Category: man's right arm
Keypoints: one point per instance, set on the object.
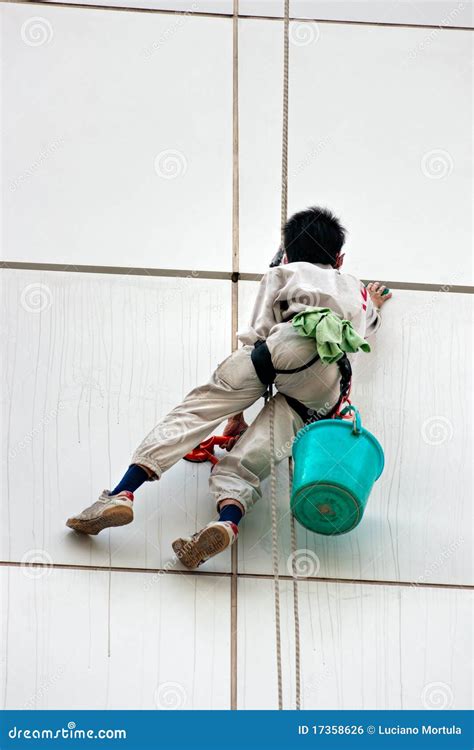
(376, 298)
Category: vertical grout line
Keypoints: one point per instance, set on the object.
(235, 147)
(234, 321)
(233, 627)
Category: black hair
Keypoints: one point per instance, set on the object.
(314, 235)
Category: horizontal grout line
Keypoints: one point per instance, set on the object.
(219, 275)
(241, 16)
(360, 581)
(418, 286)
(117, 270)
(108, 568)
(223, 574)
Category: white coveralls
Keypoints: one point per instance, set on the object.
(284, 291)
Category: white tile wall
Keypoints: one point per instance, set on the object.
(208, 6)
(371, 136)
(127, 164)
(444, 12)
(414, 391)
(433, 12)
(262, 7)
(94, 640)
(380, 147)
(224, 7)
(91, 363)
(362, 647)
(260, 117)
(389, 121)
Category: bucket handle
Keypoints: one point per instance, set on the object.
(357, 421)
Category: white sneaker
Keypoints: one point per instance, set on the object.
(108, 510)
(214, 538)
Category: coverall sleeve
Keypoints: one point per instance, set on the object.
(373, 318)
(263, 316)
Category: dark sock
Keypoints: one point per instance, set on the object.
(131, 480)
(231, 513)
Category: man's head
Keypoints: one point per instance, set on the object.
(315, 236)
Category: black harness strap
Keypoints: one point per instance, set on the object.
(263, 364)
(267, 373)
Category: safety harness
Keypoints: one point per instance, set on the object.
(266, 372)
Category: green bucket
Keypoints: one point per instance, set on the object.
(336, 463)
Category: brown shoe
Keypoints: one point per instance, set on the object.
(212, 539)
(108, 510)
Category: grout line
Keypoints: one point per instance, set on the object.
(229, 16)
(245, 576)
(113, 569)
(234, 276)
(234, 321)
(418, 286)
(233, 625)
(114, 270)
(360, 581)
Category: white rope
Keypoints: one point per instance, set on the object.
(276, 581)
(284, 144)
(284, 212)
(296, 613)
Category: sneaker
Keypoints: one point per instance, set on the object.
(212, 539)
(108, 510)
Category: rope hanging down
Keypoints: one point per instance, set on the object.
(296, 614)
(276, 581)
(284, 144)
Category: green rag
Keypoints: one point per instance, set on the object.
(334, 337)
